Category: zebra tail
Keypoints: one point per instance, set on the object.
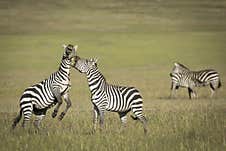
(17, 119)
(219, 84)
(134, 117)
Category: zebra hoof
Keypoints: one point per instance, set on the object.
(61, 116)
(54, 114)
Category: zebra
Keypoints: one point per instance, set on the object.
(182, 76)
(37, 99)
(107, 97)
(186, 81)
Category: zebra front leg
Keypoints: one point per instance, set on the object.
(174, 89)
(95, 118)
(123, 118)
(191, 93)
(68, 101)
(57, 94)
(194, 94)
(101, 113)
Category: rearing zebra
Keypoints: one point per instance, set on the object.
(40, 97)
(182, 76)
(109, 97)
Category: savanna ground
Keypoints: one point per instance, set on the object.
(136, 43)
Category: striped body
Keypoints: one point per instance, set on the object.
(185, 80)
(113, 98)
(206, 76)
(107, 97)
(40, 97)
(183, 77)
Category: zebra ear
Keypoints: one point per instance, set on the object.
(64, 46)
(95, 60)
(176, 64)
(76, 47)
(91, 59)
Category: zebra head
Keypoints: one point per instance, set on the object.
(69, 51)
(179, 68)
(85, 65)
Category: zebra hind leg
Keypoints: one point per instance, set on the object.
(194, 95)
(38, 121)
(144, 122)
(101, 113)
(40, 114)
(27, 115)
(190, 93)
(95, 118)
(17, 119)
(213, 87)
(123, 118)
(173, 92)
(137, 110)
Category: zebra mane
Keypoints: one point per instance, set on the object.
(97, 70)
(181, 65)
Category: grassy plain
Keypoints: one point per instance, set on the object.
(136, 43)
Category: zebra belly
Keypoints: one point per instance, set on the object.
(120, 99)
(117, 106)
(38, 111)
(120, 110)
(106, 105)
(41, 104)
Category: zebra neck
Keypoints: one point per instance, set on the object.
(65, 67)
(185, 72)
(96, 81)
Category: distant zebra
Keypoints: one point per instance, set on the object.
(182, 76)
(40, 97)
(109, 97)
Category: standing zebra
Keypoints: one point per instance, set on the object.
(40, 97)
(109, 97)
(182, 76)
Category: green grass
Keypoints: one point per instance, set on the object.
(136, 43)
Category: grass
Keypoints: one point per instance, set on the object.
(136, 43)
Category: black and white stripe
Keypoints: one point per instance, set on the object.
(109, 97)
(181, 76)
(40, 97)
